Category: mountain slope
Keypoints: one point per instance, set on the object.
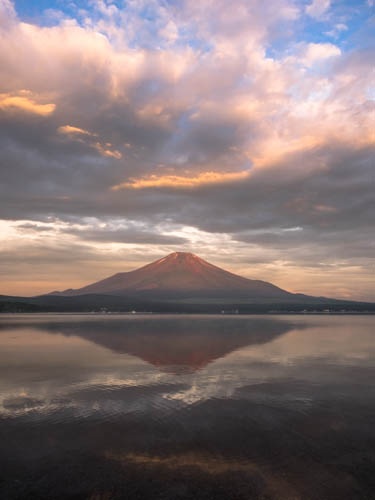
(183, 274)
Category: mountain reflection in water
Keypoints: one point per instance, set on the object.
(113, 407)
(176, 346)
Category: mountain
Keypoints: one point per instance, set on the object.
(180, 283)
(182, 275)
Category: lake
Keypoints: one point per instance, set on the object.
(105, 407)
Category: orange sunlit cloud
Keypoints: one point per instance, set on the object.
(79, 134)
(181, 182)
(25, 102)
(105, 150)
(70, 130)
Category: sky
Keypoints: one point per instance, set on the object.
(240, 131)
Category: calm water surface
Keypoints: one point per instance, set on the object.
(187, 407)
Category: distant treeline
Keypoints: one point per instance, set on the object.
(109, 304)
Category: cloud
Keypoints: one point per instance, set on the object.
(126, 232)
(24, 101)
(318, 8)
(169, 31)
(320, 51)
(81, 135)
(337, 30)
(182, 182)
(104, 150)
(73, 131)
(7, 13)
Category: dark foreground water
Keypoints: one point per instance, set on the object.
(182, 407)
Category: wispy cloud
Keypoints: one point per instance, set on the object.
(74, 131)
(81, 135)
(181, 182)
